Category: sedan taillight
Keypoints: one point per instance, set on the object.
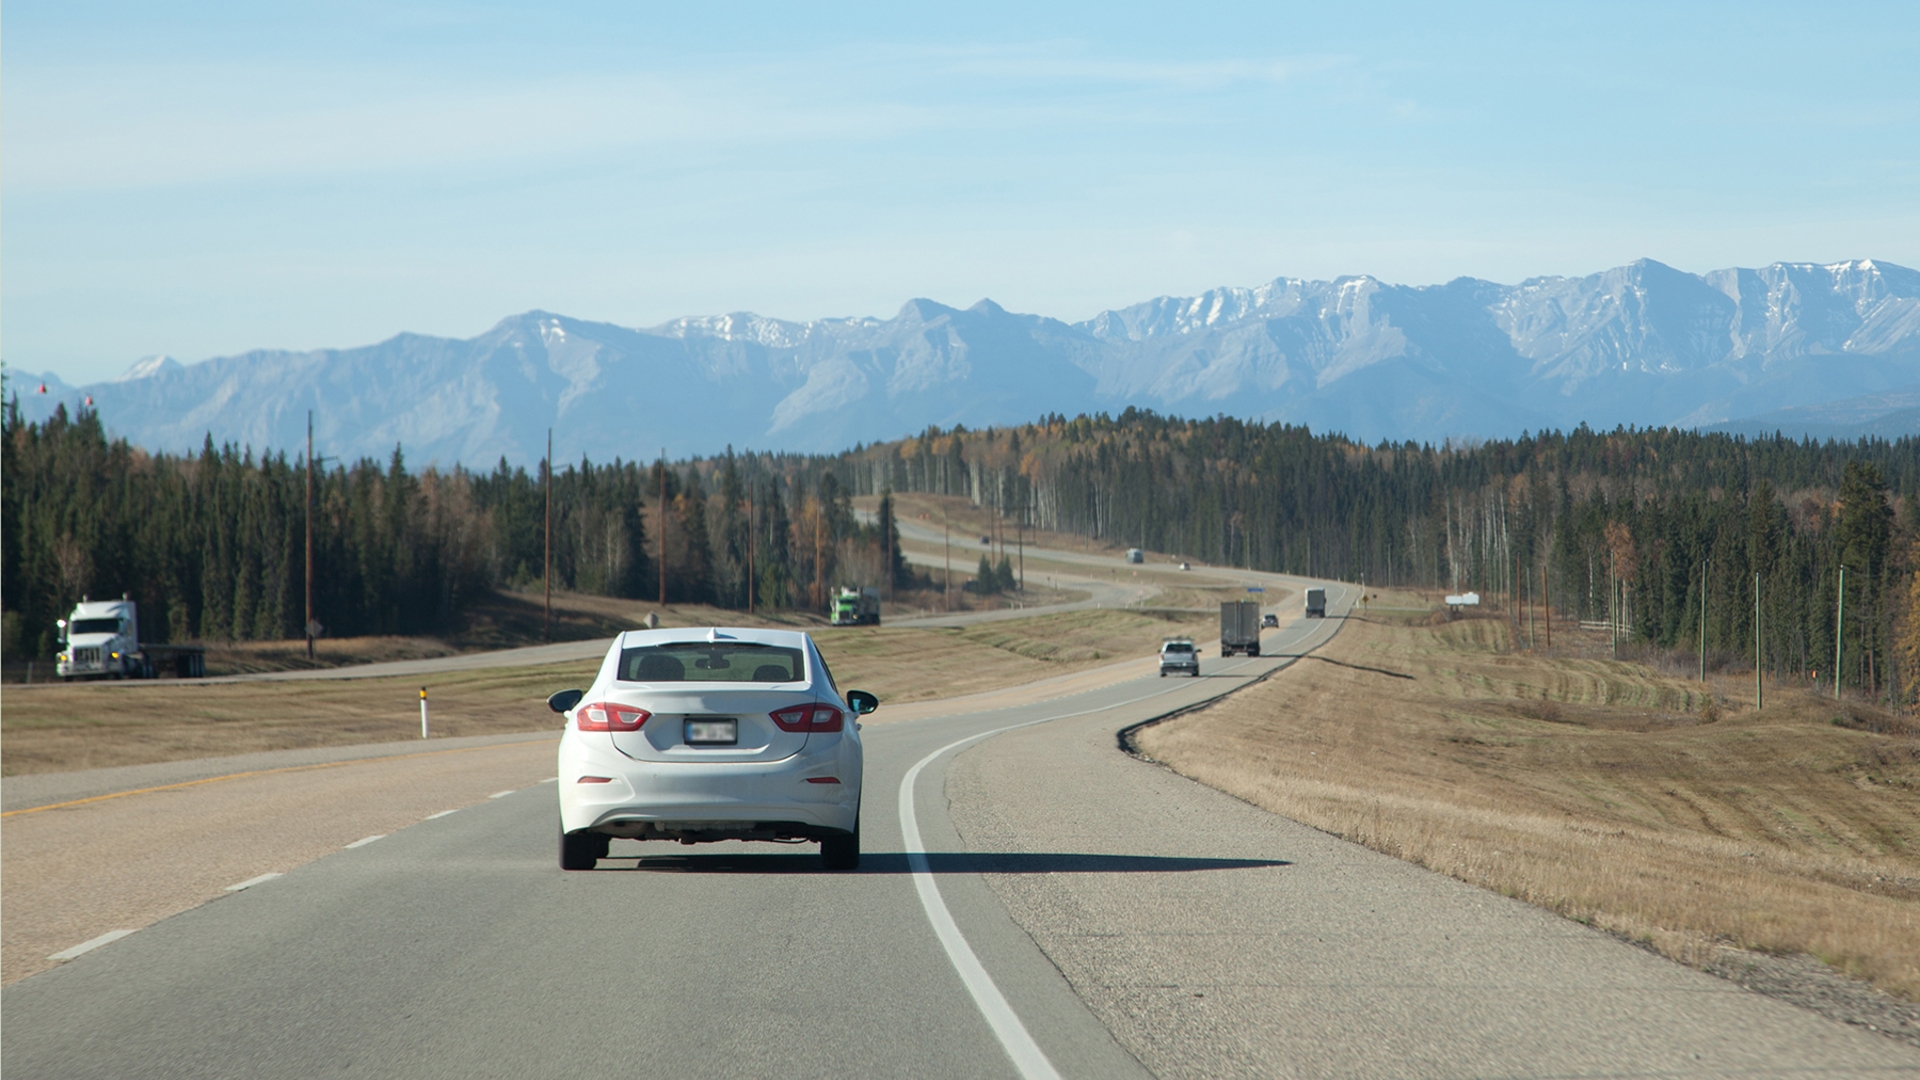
(808, 718)
(606, 716)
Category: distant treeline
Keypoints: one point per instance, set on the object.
(213, 545)
(1637, 527)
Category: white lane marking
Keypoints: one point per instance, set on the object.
(551, 780)
(1019, 1045)
(502, 794)
(251, 882)
(107, 938)
(442, 813)
(1013, 1035)
(365, 840)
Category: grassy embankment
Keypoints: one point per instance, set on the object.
(94, 725)
(1602, 790)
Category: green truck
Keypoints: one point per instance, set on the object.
(857, 607)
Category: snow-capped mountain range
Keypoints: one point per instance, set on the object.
(1642, 344)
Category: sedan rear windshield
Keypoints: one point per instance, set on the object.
(710, 662)
(1177, 646)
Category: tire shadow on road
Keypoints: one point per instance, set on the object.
(939, 862)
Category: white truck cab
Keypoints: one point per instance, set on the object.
(101, 637)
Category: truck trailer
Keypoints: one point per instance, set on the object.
(857, 607)
(1239, 627)
(1316, 603)
(100, 639)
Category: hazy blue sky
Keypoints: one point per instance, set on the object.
(197, 180)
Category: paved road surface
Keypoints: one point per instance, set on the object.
(1032, 903)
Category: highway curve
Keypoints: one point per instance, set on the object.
(1033, 903)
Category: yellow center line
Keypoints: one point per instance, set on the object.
(254, 772)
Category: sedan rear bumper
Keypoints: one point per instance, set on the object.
(709, 801)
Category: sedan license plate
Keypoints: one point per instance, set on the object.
(708, 732)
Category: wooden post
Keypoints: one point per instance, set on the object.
(1020, 543)
(752, 542)
(308, 627)
(1546, 605)
(1759, 691)
(663, 527)
(547, 575)
(1839, 627)
(1706, 567)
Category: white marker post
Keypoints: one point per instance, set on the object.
(423, 712)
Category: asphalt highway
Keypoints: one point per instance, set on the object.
(1032, 902)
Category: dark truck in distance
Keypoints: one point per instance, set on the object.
(1239, 627)
(1316, 603)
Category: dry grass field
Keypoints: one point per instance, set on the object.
(1601, 790)
(56, 728)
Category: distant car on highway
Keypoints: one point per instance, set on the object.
(1179, 657)
(1269, 619)
(697, 736)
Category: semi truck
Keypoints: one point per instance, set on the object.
(857, 607)
(100, 639)
(1316, 603)
(1239, 627)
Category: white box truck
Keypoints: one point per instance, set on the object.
(100, 639)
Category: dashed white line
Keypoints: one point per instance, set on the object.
(251, 882)
(365, 840)
(107, 938)
(551, 780)
(442, 813)
(502, 794)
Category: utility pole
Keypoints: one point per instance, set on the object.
(1706, 568)
(663, 528)
(1020, 544)
(1839, 626)
(751, 544)
(946, 584)
(819, 571)
(1759, 692)
(1546, 606)
(548, 575)
(1613, 602)
(309, 625)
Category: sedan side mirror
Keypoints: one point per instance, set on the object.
(565, 699)
(861, 702)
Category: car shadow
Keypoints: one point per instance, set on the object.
(807, 861)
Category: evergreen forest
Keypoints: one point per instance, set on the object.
(1663, 535)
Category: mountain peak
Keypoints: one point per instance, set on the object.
(148, 366)
(922, 309)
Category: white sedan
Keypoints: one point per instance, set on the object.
(704, 735)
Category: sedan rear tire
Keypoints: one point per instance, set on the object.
(580, 851)
(841, 852)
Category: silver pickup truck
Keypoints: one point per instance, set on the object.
(1178, 656)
